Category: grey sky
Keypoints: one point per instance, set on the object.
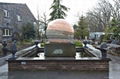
(77, 7)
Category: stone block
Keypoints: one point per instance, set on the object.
(60, 50)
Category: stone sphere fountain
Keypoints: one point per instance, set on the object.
(59, 53)
(60, 39)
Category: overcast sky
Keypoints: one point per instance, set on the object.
(77, 7)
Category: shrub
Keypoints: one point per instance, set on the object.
(78, 44)
(42, 44)
(28, 31)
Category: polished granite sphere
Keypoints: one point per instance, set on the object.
(59, 29)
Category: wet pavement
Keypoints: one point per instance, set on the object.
(114, 71)
(58, 75)
(4, 71)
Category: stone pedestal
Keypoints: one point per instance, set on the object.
(60, 50)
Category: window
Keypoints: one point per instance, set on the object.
(6, 32)
(6, 13)
(19, 18)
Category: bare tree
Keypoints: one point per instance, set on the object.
(101, 14)
(116, 9)
(44, 23)
(106, 17)
(41, 25)
(38, 25)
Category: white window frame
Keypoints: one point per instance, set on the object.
(6, 32)
(6, 13)
(19, 18)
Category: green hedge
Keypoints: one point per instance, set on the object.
(78, 43)
(42, 44)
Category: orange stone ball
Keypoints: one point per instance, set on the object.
(60, 25)
(59, 29)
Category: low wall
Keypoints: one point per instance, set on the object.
(59, 64)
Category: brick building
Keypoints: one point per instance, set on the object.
(12, 17)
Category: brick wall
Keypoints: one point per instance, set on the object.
(79, 65)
